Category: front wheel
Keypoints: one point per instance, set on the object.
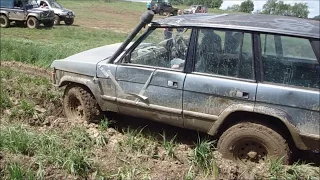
(68, 21)
(249, 142)
(56, 20)
(4, 21)
(33, 23)
(80, 104)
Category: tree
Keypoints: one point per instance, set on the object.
(269, 7)
(175, 2)
(316, 17)
(215, 4)
(246, 6)
(234, 8)
(280, 8)
(300, 10)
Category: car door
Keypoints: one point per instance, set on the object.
(150, 79)
(222, 79)
(290, 84)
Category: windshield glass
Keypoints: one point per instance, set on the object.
(56, 5)
(163, 47)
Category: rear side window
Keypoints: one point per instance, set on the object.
(225, 53)
(290, 61)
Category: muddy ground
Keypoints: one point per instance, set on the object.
(111, 154)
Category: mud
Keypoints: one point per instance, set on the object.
(25, 68)
(113, 160)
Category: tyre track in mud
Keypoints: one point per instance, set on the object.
(26, 68)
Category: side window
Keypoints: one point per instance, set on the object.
(296, 65)
(163, 47)
(227, 53)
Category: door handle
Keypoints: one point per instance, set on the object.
(172, 84)
(241, 94)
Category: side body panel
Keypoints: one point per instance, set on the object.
(301, 105)
(206, 97)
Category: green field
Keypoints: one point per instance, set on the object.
(97, 23)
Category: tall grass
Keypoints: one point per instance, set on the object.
(43, 46)
(70, 152)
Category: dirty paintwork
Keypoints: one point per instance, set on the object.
(301, 106)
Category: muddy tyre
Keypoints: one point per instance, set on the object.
(249, 142)
(80, 104)
(33, 23)
(69, 22)
(56, 20)
(4, 21)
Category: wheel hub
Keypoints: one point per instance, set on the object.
(75, 107)
(251, 151)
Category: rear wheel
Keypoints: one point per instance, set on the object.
(33, 23)
(79, 103)
(249, 142)
(68, 21)
(4, 21)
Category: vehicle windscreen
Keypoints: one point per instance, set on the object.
(56, 5)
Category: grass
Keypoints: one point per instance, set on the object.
(70, 153)
(202, 156)
(15, 171)
(169, 145)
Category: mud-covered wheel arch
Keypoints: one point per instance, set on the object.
(252, 142)
(79, 103)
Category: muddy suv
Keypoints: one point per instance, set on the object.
(253, 85)
(163, 8)
(22, 11)
(195, 9)
(61, 13)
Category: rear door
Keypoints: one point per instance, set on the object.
(222, 79)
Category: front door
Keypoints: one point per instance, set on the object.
(222, 79)
(151, 77)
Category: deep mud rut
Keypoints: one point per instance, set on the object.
(111, 159)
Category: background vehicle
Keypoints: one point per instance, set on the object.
(195, 9)
(61, 13)
(247, 83)
(161, 7)
(22, 11)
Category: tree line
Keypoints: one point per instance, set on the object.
(276, 7)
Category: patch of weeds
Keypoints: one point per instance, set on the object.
(105, 124)
(17, 139)
(136, 142)
(77, 162)
(202, 156)
(101, 140)
(276, 168)
(5, 101)
(16, 172)
(190, 174)
(79, 138)
(27, 107)
(132, 172)
(169, 145)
